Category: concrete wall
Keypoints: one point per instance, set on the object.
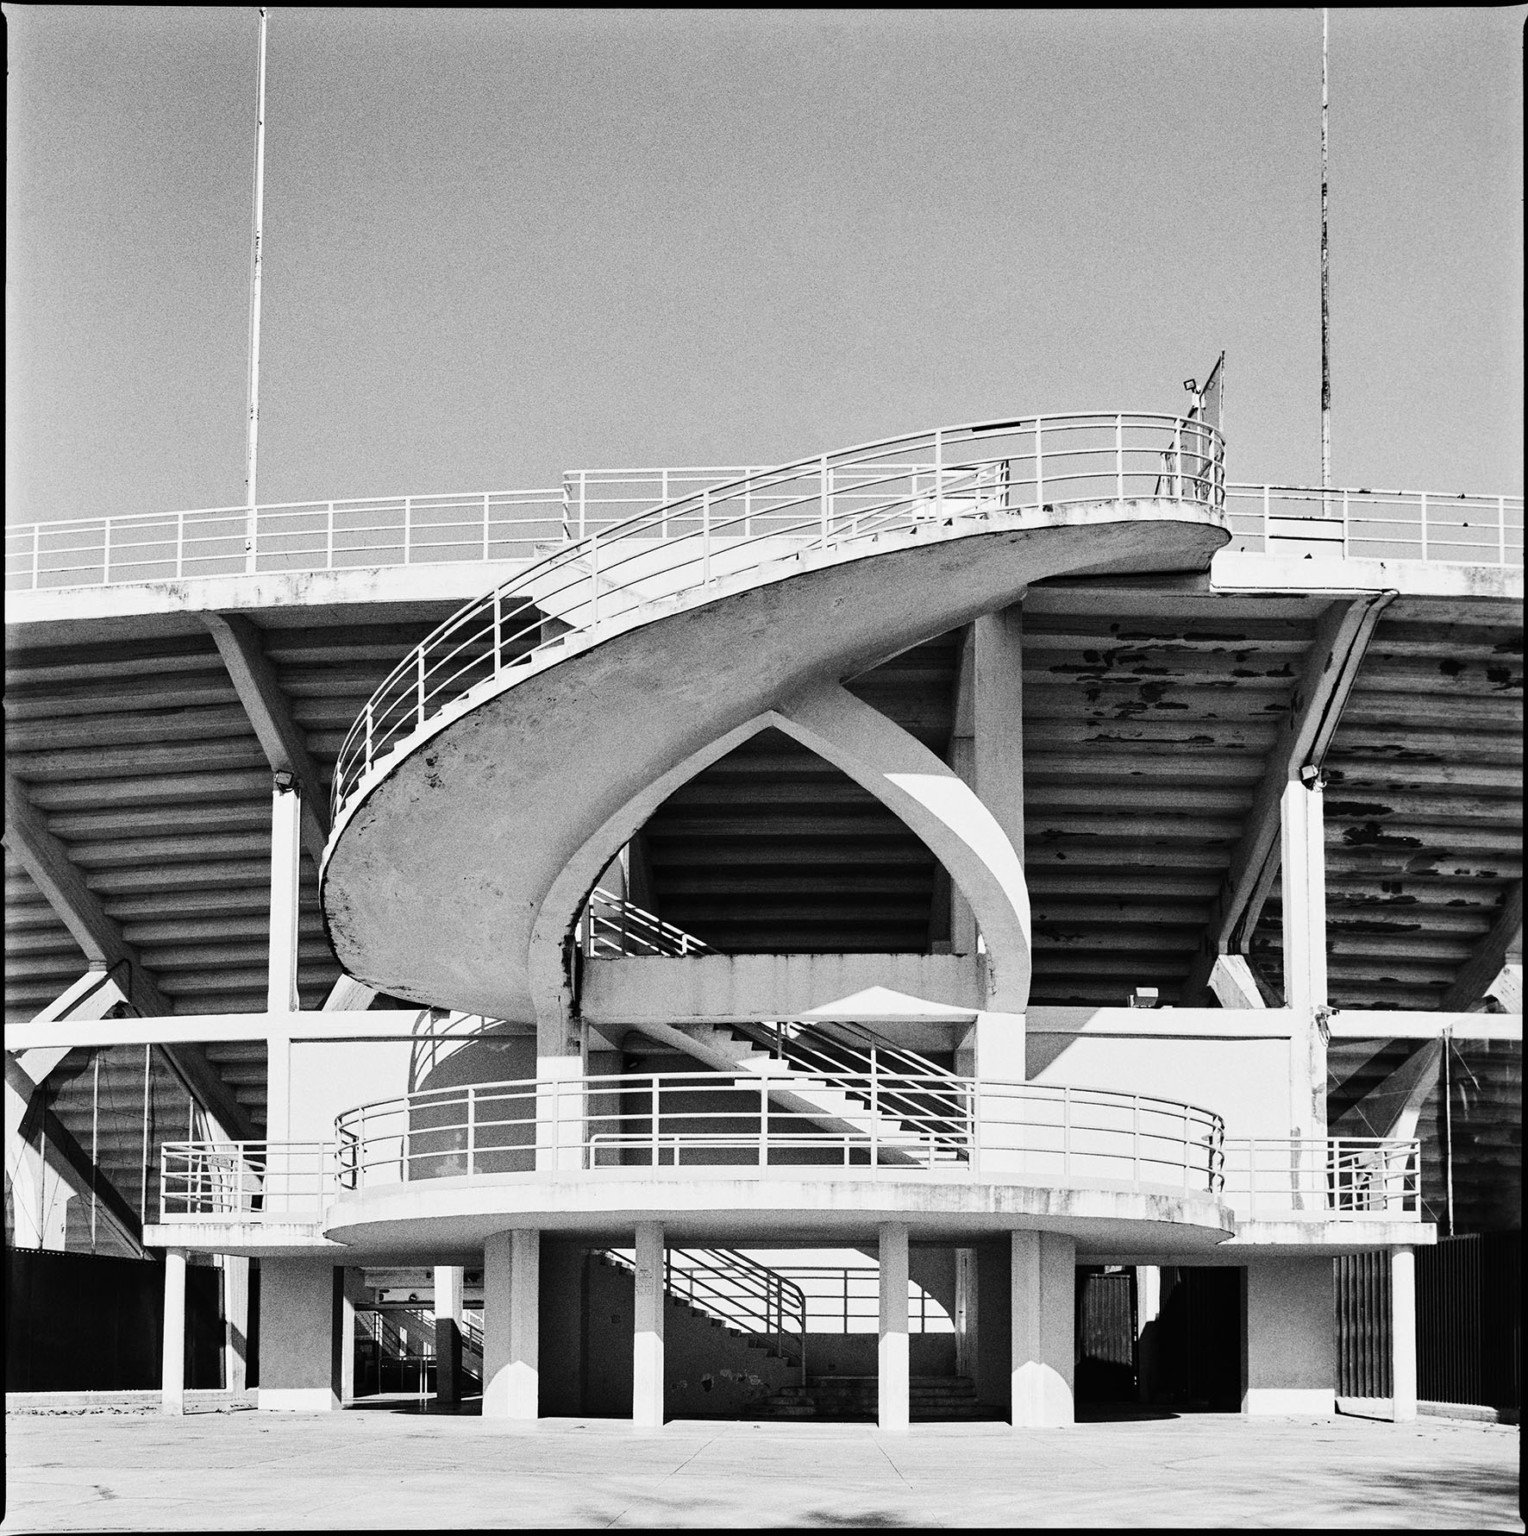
(562, 1327)
(1291, 1351)
(300, 1333)
(1246, 1082)
(329, 1076)
(994, 1335)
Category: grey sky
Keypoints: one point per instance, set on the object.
(505, 243)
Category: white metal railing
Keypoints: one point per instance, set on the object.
(259, 1181)
(674, 1123)
(765, 521)
(1267, 1178)
(843, 1298)
(612, 926)
(519, 525)
(1377, 525)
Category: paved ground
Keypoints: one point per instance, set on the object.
(377, 1470)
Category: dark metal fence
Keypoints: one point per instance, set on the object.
(1469, 1321)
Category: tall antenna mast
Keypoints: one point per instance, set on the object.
(1326, 366)
(253, 438)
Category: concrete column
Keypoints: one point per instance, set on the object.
(1403, 1334)
(511, 1325)
(1042, 1281)
(450, 1283)
(1303, 876)
(173, 1341)
(967, 1313)
(1148, 1308)
(350, 1284)
(286, 871)
(560, 1127)
(301, 1351)
(647, 1331)
(894, 1383)
(235, 1321)
(1291, 1338)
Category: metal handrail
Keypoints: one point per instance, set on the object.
(1367, 523)
(734, 1289)
(519, 524)
(855, 497)
(756, 1123)
(1346, 1176)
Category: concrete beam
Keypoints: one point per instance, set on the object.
(1393, 1106)
(1326, 679)
(1485, 964)
(860, 988)
(254, 679)
(47, 861)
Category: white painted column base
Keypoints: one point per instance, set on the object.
(297, 1399)
(511, 1326)
(1042, 1280)
(647, 1331)
(894, 1383)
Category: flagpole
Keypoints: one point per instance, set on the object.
(253, 418)
(1326, 368)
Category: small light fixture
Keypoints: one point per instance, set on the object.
(1144, 997)
(1310, 776)
(285, 781)
(1192, 386)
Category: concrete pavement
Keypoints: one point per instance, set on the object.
(379, 1470)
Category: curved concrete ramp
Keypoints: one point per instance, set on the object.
(438, 874)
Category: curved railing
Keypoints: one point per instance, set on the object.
(766, 519)
(670, 1124)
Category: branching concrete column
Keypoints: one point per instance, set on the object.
(286, 877)
(172, 1387)
(450, 1282)
(1403, 1334)
(894, 1385)
(647, 1330)
(1303, 875)
(511, 1325)
(929, 796)
(1042, 1280)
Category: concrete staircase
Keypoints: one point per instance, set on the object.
(855, 1399)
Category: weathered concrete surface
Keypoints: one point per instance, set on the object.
(436, 878)
(377, 1470)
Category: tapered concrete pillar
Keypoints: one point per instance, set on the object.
(894, 1383)
(173, 1340)
(1291, 1338)
(1403, 1334)
(1042, 1281)
(511, 1325)
(286, 871)
(450, 1281)
(235, 1322)
(647, 1332)
(301, 1345)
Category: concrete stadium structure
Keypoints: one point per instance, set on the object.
(799, 945)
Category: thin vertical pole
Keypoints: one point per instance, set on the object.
(252, 440)
(1326, 369)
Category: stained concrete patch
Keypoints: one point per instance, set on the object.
(381, 1470)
